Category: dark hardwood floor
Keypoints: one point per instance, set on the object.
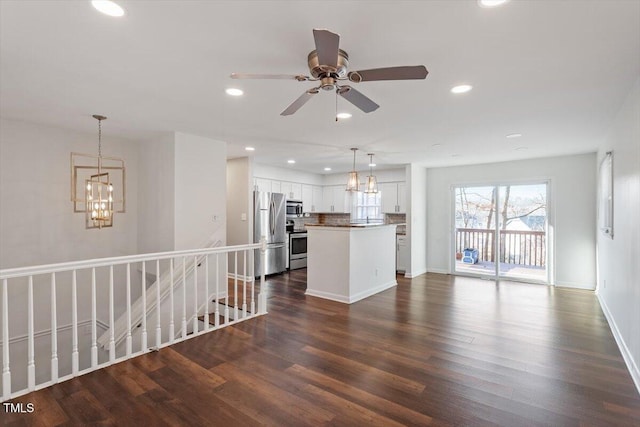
(436, 350)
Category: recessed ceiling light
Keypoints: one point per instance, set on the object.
(327, 169)
(234, 92)
(437, 145)
(521, 148)
(514, 135)
(491, 3)
(372, 165)
(250, 148)
(108, 7)
(343, 115)
(461, 89)
(291, 161)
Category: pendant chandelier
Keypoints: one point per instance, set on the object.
(93, 190)
(372, 182)
(353, 183)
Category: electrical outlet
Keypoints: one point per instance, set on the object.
(376, 272)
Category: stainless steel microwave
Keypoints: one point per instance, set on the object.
(294, 208)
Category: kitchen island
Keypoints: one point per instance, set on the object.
(349, 262)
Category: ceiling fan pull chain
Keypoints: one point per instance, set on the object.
(336, 105)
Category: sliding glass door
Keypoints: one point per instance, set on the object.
(501, 231)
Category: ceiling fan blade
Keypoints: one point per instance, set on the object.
(299, 78)
(298, 103)
(390, 73)
(327, 47)
(357, 99)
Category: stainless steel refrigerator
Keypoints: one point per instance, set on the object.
(269, 217)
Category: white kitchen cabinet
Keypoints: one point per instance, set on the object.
(334, 199)
(317, 198)
(276, 187)
(296, 190)
(307, 198)
(285, 187)
(261, 184)
(402, 253)
(393, 197)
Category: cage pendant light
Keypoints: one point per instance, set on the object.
(99, 191)
(372, 182)
(353, 183)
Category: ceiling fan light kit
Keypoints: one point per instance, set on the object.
(328, 65)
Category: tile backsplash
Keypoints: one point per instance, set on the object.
(345, 218)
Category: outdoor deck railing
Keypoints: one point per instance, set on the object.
(521, 247)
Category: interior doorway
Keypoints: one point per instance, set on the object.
(501, 231)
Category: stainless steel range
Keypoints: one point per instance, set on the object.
(297, 249)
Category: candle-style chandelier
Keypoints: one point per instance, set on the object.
(93, 190)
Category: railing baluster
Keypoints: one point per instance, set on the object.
(235, 286)
(184, 298)
(253, 282)
(6, 368)
(94, 331)
(75, 360)
(226, 288)
(128, 340)
(54, 331)
(143, 341)
(158, 326)
(206, 292)
(244, 284)
(172, 328)
(112, 341)
(31, 364)
(195, 294)
(216, 320)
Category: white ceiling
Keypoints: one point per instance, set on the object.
(555, 71)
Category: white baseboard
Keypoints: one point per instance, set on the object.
(412, 274)
(626, 354)
(354, 298)
(576, 285)
(437, 270)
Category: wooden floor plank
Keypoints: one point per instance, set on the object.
(435, 350)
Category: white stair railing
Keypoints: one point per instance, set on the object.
(165, 284)
(92, 294)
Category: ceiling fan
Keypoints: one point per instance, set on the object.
(328, 65)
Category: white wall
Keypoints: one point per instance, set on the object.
(383, 175)
(417, 220)
(572, 214)
(239, 201)
(37, 222)
(619, 259)
(200, 191)
(156, 193)
(283, 174)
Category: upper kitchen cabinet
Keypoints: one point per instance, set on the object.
(312, 198)
(393, 197)
(285, 187)
(296, 191)
(334, 199)
(261, 184)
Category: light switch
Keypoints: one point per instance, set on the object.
(243, 217)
